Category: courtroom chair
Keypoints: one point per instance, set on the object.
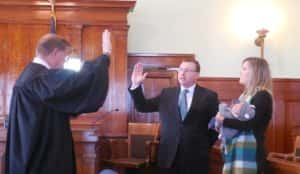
(295, 156)
(141, 146)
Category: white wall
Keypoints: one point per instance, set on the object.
(203, 27)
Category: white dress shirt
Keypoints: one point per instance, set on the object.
(189, 95)
(40, 61)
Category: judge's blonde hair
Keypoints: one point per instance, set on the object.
(260, 77)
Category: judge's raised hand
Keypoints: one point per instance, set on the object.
(106, 42)
(138, 75)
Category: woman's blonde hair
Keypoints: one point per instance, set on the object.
(261, 78)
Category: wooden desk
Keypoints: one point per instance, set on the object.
(88, 135)
(281, 166)
(86, 150)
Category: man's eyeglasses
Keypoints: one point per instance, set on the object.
(182, 70)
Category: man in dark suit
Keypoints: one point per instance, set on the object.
(185, 111)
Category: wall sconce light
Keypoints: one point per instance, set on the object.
(248, 16)
(260, 40)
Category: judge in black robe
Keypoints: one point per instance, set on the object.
(39, 138)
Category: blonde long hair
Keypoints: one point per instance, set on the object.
(260, 79)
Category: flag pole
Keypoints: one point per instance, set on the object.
(52, 17)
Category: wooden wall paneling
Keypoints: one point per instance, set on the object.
(292, 124)
(158, 60)
(20, 41)
(287, 99)
(108, 12)
(279, 118)
(226, 88)
(91, 41)
(3, 69)
(276, 134)
(118, 85)
(23, 22)
(293, 110)
(72, 33)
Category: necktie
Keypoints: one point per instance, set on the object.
(183, 103)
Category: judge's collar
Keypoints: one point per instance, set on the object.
(40, 61)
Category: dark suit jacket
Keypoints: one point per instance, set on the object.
(192, 135)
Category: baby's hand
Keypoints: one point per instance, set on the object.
(236, 108)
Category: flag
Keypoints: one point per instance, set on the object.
(52, 17)
(52, 23)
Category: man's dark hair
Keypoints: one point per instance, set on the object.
(49, 42)
(197, 65)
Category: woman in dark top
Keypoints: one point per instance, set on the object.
(256, 78)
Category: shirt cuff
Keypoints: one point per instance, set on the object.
(133, 87)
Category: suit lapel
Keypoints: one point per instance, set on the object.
(175, 99)
(196, 96)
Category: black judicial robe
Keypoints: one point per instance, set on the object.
(39, 138)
